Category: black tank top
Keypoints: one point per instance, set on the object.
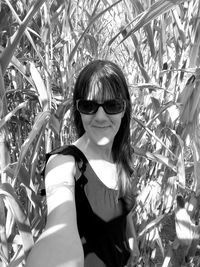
(101, 215)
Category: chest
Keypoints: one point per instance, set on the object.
(97, 195)
(106, 172)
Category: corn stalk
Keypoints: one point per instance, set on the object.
(157, 46)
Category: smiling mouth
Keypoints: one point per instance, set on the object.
(100, 127)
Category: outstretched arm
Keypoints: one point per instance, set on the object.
(59, 245)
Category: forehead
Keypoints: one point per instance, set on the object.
(102, 91)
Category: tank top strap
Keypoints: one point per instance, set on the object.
(71, 150)
(80, 160)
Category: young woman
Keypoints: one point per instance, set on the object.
(89, 185)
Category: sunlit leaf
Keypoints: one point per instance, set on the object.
(9, 194)
(153, 223)
(87, 28)
(162, 159)
(156, 9)
(147, 28)
(10, 114)
(41, 120)
(4, 246)
(196, 155)
(17, 258)
(35, 155)
(8, 52)
(154, 136)
(40, 86)
(179, 26)
(194, 53)
(25, 180)
(20, 67)
(181, 170)
(2, 93)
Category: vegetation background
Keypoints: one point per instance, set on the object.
(43, 46)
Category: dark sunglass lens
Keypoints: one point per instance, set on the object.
(87, 106)
(114, 106)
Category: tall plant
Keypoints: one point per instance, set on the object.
(156, 43)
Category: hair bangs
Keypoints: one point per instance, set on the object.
(103, 88)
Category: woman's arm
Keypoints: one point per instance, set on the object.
(59, 245)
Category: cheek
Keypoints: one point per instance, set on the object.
(117, 120)
(119, 124)
(86, 120)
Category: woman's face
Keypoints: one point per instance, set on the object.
(101, 127)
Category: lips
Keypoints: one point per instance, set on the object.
(101, 127)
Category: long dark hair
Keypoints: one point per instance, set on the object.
(110, 80)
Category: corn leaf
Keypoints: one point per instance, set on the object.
(19, 66)
(161, 159)
(10, 114)
(4, 246)
(153, 223)
(166, 262)
(8, 52)
(196, 155)
(87, 28)
(17, 258)
(34, 158)
(3, 109)
(24, 178)
(153, 135)
(27, 30)
(155, 10)
(194, 53)
(147, 28)
(21, 219)
(41, 120)
(40, 86)
(181, 170)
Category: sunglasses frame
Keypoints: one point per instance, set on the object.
(123, 102)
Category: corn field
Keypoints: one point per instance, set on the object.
(43, 46)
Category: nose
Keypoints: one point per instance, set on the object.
(100, 114)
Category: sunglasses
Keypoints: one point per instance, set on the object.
(90, 107)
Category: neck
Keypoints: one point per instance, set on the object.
(93, 150)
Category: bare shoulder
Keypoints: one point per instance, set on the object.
(60, 168)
